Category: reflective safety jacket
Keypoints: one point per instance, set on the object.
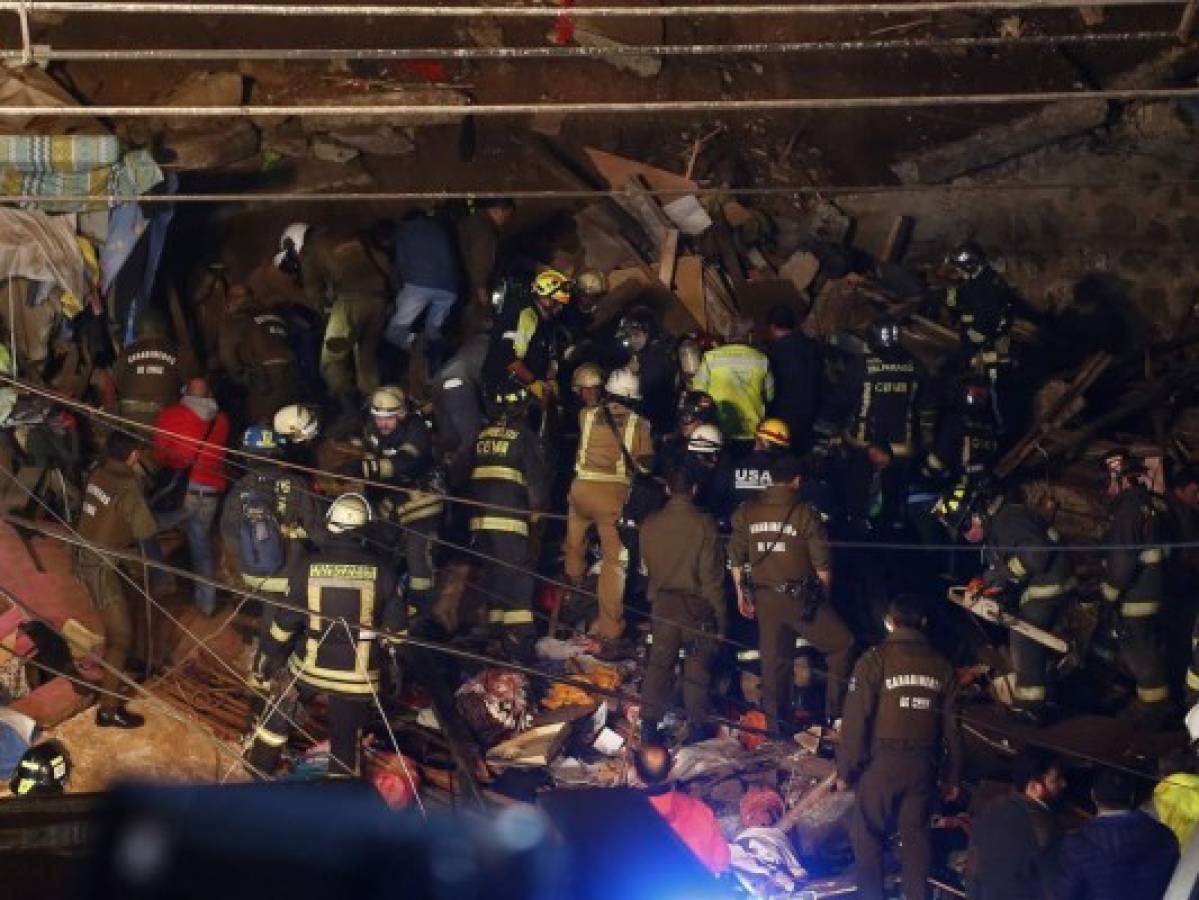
(603, 430)
(1176, 801)
(520, 334)
(340, 581)
(1135, 577)
(738, 379)
(983, 307)
(886, 390)
(964, 450)
(1038, 570)
(403, 458)
(509, 470)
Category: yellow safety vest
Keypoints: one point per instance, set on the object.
(738, 378)
(621, 475)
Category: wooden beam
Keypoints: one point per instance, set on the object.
(668, 258)
(896, 243)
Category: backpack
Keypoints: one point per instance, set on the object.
(260, 545)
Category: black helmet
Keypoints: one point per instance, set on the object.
(884, 333)
(697, 407)
(976, 392)
(509, 396)
(45, 769)
(968, 258)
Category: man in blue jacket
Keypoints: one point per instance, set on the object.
(1121, 854)
(427, 261)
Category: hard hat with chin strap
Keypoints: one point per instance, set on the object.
(389, 400)
(347, 512)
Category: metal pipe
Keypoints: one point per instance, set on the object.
(551, 52)
(578, 12)
(444, 110)
(532, 195)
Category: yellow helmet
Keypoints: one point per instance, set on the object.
(552, 285)
(774, 431)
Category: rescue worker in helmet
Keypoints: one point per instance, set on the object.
(458, 412)
(882, 385)
(523, 340)
(256, 353)
(738, 378)
(696, 408)
(148, 373)
(743, 479)
(398, 451)
(614, 445)
(587, 384)
(979, 303)
(345, 276)
(702, 461)
(296, 429)
(269, 517)
(339, 596)
(1026, 568)
(508, 470)
(1134, 585)
(651, 360)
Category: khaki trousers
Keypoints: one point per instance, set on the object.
(349, 356)
(598, 503)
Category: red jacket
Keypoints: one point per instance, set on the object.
(176, 453)
(696, 826)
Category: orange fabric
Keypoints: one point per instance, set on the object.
(696, 827)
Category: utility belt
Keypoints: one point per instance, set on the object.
(807, 591)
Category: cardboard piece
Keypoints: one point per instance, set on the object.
(617, 170)
(532, 749)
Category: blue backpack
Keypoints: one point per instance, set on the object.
(260, 545)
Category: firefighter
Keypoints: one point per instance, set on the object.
(115, 515)
(746, 478)
(782, 573)
(883, 384)
(257, 354)
(347, 278)
(148, 373)
(296, 429)
(339, 595)
(587, 385)
(458, 412)
(980, 304)
(702, 461)
(508, 469)
(900, 731)
(269, 516)
(1023, 562)
(965, 445)
(652, 360)
(523, 340)
(680, 547)
(399, 452)
(614, 445)
(738, 378)
(1134, 578)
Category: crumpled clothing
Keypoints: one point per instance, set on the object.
(395, 777)
(752, 740)
(495, 704)
(696, 759)
(552, 648)
(765, 863)
(562, 694)
(760, 807)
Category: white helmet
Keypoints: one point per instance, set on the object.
(389, 400)
(623, 384)
(705, 440)
(1192, 723)
(588, 375)
(293, 235)
(347, 512)
(297, 423)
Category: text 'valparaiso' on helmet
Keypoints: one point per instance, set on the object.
(297, 423)
(347, 512)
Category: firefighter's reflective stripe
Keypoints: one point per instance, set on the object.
(1016, 567)
(1154, 694)
(423, 506)
(1030, 693)
(510, 617)
(502, 473)
(1047, 591)
(268, 737)
(334, 680)
(1110, 592)
(282, 635)
(974, 336)
(417, 583)
(620, 476)
(359, 680)
(526, 327)
(748, 656)
(272, 584)
(1139, 609)
(1193, 679)
(934, 463)
(382, 468)
(499, 523)
(1152, 557)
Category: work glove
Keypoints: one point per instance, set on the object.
(544, 391)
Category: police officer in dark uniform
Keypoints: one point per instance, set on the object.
(680, 547)
(782, 572)
(147, 373)
(1134, 578)
(339, 595)
(257, 353)
(900, 727)
(1024, 563)
(508, 469)
(269, 517)
(114, 515)
(399, 451)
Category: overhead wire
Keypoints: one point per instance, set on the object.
(375, 10)
(408, 111)
(48, 54)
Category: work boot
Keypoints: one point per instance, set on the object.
(119, 717)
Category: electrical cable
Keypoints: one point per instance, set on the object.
(407, 111)
(372, 10)
(44, 54)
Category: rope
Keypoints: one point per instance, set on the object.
(213, 54)
(400, 112)
(370, 10)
